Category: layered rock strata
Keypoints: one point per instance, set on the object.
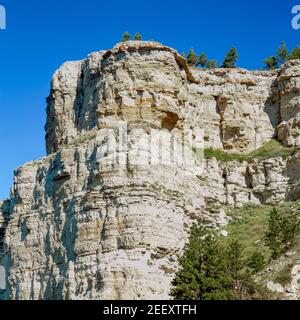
(106, 213)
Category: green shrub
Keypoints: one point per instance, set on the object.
(223, 156)
(270, 149)
(284, 276)
(256, 262)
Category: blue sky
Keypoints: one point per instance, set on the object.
(41, 35)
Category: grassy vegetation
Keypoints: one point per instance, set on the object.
(283, 276)
(249, 225)
(270, 149)
(223, 156)
(90, 135)
(244, 257)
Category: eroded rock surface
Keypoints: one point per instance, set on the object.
(95, 220)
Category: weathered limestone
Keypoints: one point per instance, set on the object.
(267, 181)
(4, 220)
(238, 110)
(234, 106)
(289, 89)
(100, 219)
(83, 233)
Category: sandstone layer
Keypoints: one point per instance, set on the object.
(97, 220)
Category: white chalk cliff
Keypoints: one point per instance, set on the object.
(82, 223)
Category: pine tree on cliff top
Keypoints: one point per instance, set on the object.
(231, 58)
(202, 60)
(137, 37)
(282, 53)
(125, 36)
(271, 63)
(192, 58)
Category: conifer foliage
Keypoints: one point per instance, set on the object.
(192, 58)
(202, 60)
(231, 58)
(283, 55)
(283, 228)
(212, 270)
(137, 37)
(271, 63)
(125, 36)
(295, 54)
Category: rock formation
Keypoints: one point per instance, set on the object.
(103, 218)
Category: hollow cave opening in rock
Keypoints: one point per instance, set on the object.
(170, 121)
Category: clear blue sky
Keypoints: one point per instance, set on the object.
(42, 34)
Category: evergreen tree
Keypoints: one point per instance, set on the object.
(125, 36)
(192, 58)
(282, 53)
(231, 58)
(241, 284)
(290, 227)
(211, 270)
(295, 54)
(182, 54)
(283, 228)
(273, 235)
(217, 283)
(234, 257)
(190, 278)
(271, 63)
(256, 262)
(211, 64)
(202, 60)
(137, 37)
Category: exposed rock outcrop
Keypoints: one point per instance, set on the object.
(289, 90)
(100, 218)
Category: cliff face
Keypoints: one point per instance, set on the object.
(238, 109)
(105, 214)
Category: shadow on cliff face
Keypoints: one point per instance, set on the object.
(86, 102)
(61, 251)
(61, 225)
(5, 259)
(272, 106)
(170, 121)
